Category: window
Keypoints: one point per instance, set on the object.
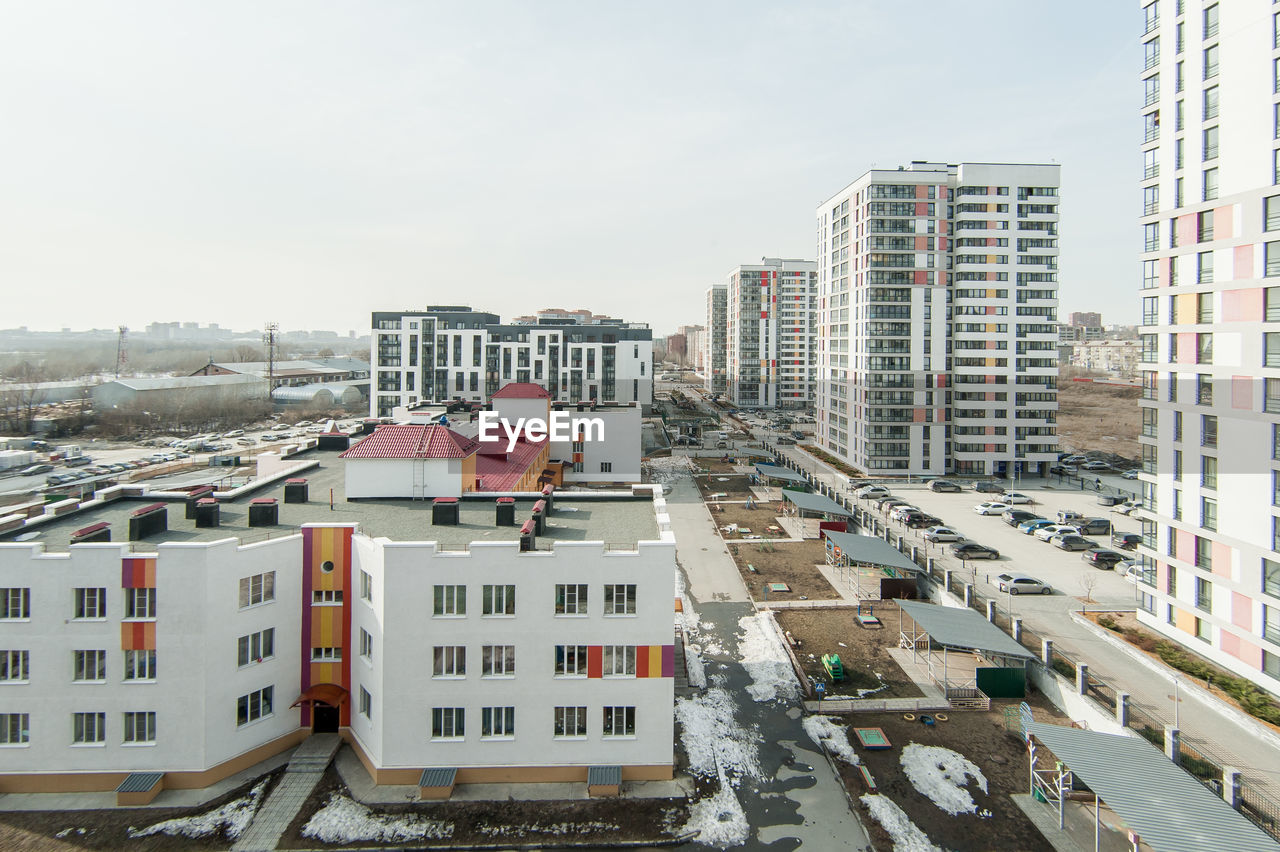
(1204, 307)
(1271, 623)
(1204, 348)
(449, 661)
(1204, 630)
(366, 703)
(1271, 578)
(15, 665)
(450, 600)
(15, 729)
(15, 603)
(1204, 553)
(139, 603)
(1208, 472)
(1271, 302)
(606, 467)
(447, 723)
(1210, 103)
(1275, 488)
(366, 586)
(326, 597)
(1211, 62)
(619, 660)
(1271, 260)
(1150, 199)
(89, 728)
(1209, 144)
(139, 665)
(620, 599)
(571, 661)
(90, 665)
(1208, 430)
(619, 721)
(260, 588)
(571, 722)
(1208, 513)
(1271, 396)
(1211, 21)
(254, 706)
(256, 647)
(1210, 183)
(326, 654)
(366, 644)
(1204, 389)
(571, 599)
(91, 603)
(1204, 226)
(498, 661)
(1204, 267)
(498, 600)
(140, 727)
(497, 722)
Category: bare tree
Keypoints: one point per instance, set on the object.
(1087, 583)
(244, 352)
(25, 395)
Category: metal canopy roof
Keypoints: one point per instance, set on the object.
(773, 471)
(816, 503)
(871, 550)
(604, 776)
(443, 776)
(962, 628)
(139, 782)
(1169, 809)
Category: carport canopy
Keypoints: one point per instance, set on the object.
(1169, 809)
(869, 550)
(956, 627)
(807, 502)
(773, 471)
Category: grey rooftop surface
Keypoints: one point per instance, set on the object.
(962, 628)
(617, 521)
(816, 503)
(867, 549)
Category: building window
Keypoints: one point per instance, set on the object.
(619, 721)
(449, 661)
(1204, 267)
(254, 706)
(366, 586)
(90, 665)
(328, 654)
(1204, 553)
(140, 727)
(1271, 262)
(606, 467)
(15, 729)
(91, 603)
(498, 600)
(570, 722)
(1204, 226)
(1208, 513)
(1211, 21)
(366, 645)
(1211, 62)
(498, 661)
(571, 598)
(89, 728)
(497, 722)
(15, 666)
(619, 660)
(326, 597)
(1271, 623)
(1271, 664)
(571, 661)
(447, 723)
(366, 703)
(449, 600)
(1210, 184)
(1204, 389)
(256, 647)
(140, 665)
(1271, 396)
(1208, 430)
(1204, 631)
(1209, 144)
(15, 603)
(620, 599)
(1208, 472)
(258, 589)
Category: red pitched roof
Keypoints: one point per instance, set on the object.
(501, 471)
(521, 390)
(412, 441)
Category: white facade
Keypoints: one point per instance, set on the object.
(1115, 357)
(770, 333)
(938, 319)
(615, 457)
(413, 478)
(1210, 350)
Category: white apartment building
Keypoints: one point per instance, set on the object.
(713, 377)
(770, 333)
(1210, 334)
(938, 293)
(454, 353)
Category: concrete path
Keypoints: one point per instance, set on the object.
(711, 572)
(305, 769)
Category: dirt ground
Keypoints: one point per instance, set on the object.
(863, 651)
(35, 831)
(982, 738)
(793, 563)
(1104, 418)
(480, 824)
(757, 520)
(709, 464)
(735, 486)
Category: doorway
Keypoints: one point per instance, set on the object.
(324, 718)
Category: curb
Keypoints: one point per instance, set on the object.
(496, 847)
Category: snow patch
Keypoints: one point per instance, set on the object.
(233, 818)
(567, 829)
(713, 740)
(762, 654)
(344, 820)
(825, 732)
(907, 836)
(942, 774)
(695, 668)
(719, 819)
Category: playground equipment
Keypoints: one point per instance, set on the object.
(833, 666)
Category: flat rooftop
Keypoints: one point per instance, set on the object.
(620, 522)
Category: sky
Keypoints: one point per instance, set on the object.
(307, 163)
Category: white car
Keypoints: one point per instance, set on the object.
(900, 512)
(870, 492)
(280, 427)
(1014, 498)
(1126, 507)
(990, 508)
(234, 433)
(1095, 465)
(1046, 533)
(1016, 584)
(942, 534)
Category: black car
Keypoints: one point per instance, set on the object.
(1127, 541)
(943, 485)
(973, 550)
(920, 521)
(1013, 517)
(989, 487)
(1102, 558)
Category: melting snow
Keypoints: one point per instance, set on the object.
(344, 820)
(825, 732)
(713, 739)
(667, 470)
(233, 817)
(907, 836)
(942, 774)
(565, 828)
(763, 655)
(719, 819)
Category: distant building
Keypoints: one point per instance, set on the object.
(677, 347)
(175, 392)
(695, 344)
(1115, 357)
(1070, 334)
(1088, 319)
(714, 340)
(297, 372)
(560, 315)
(771, 333)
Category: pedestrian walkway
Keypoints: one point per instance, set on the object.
(303, 773)
(700, 550)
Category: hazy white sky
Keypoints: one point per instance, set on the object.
(309, 162)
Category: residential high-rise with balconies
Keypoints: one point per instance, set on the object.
(937, 341)
(713, 377)
(771, 333)
(1210, 335)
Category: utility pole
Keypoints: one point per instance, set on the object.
(122, 352)
(269, 339)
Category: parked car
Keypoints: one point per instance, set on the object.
(1127, 507)
(1073, 459)
(1131, 570)
(234, 433)
(1013, 517)
(301, 423)
(1062, 469)
(988, 487)
(919, 520)
(1071, 541)
(245, 442)
(1102, 558)
(941, 534)
(96, 470)
(871, 492)
(943, 486)
(1021, 584)
(1094, 526)
(280, 427)
(889, 501)
(1030, 525)
(77, 461)
(1013, 497)
(1109, 499)
(1126, 541)
(35, 469)
(1095, 465)
(1066, 516)
(990, 508)
(799, 436)
(1046, 533)
(56, 479)
(899, 513)
(1129, 474)
(973, 550)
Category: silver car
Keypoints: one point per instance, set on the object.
(1021, 584)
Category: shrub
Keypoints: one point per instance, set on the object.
(1110, 623)
(1152, 735)
(1064, 667)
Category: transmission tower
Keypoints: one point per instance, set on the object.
(122, 351)
(269, 339)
